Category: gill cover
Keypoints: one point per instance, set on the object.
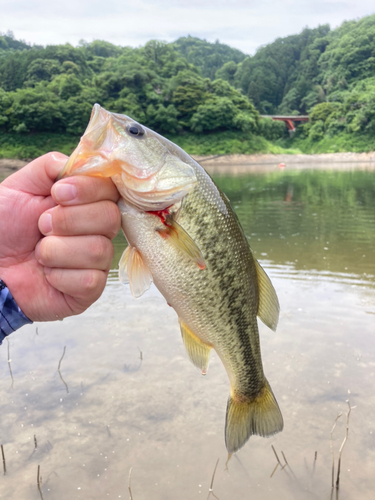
(145, 172)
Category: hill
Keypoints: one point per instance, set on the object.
(206, 96)
(329, 74)
(51, 90)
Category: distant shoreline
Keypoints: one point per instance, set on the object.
(271, 159)
(237, 162)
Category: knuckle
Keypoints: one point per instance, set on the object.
(94, 283)
(101, 250)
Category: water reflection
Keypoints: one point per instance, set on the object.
(135, 401)
(321, 220)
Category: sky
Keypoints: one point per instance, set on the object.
(243, 24)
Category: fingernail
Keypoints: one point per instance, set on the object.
(45, 223)
(64, 192)
(47, 270)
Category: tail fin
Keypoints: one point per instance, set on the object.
(261, 416)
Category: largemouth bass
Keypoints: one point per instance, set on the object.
(184, 236)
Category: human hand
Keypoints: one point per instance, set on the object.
(64, 272)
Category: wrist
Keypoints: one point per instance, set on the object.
(11, 316)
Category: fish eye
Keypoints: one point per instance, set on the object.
(135, 130)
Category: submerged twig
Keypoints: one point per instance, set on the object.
(129, 485)
(35, 442)
(332, 452)
(39, 482)
(274, 470)
(140, 354)
(210, 490)
(278, 461)
(314, 464)
(344, 441)
(58, 369)
(285, 460)
(63, 354)
(277, 458)
(282, 466)
(4, 464)
(9, 365)
(288, 465)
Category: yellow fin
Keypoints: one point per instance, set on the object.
(268, 306)
(123, 266)
(182, 241)
(134, 271)
(260, 415)
(198, 351)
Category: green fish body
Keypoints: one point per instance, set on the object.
(188, 241)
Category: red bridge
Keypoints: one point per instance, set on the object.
(288, 120)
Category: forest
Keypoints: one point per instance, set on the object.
(207, 97)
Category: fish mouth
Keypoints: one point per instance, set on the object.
(107, 148)
(144, 171)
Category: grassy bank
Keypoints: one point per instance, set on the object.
(229, 142)
(340, 143)
(28, 146)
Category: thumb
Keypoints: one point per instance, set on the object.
(38, 177)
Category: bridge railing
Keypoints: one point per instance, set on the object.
(289, 120)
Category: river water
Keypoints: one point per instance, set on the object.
(127, 398)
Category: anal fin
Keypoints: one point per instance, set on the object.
(198, 351)
(133, 270)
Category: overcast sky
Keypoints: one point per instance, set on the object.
(244, 24)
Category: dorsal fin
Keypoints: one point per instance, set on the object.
(268, 306)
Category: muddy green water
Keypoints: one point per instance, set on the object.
(108, 411)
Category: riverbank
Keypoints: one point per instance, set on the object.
(234, 162)
(10, 165)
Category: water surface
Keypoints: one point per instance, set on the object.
(126, 396)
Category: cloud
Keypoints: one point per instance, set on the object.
(240, 23)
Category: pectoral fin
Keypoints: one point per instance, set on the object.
(133, 270)
(123, 266)
(268, 306)
(182, 241)
(198, 351)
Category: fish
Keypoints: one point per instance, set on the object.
(184, 236)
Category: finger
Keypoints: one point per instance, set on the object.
(79, 190)
(75, 252)
(102, 218)
(82, 287)
(38, 176)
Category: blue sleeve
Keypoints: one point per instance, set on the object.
(11, 316)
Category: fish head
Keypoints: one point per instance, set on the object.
(147, 173)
